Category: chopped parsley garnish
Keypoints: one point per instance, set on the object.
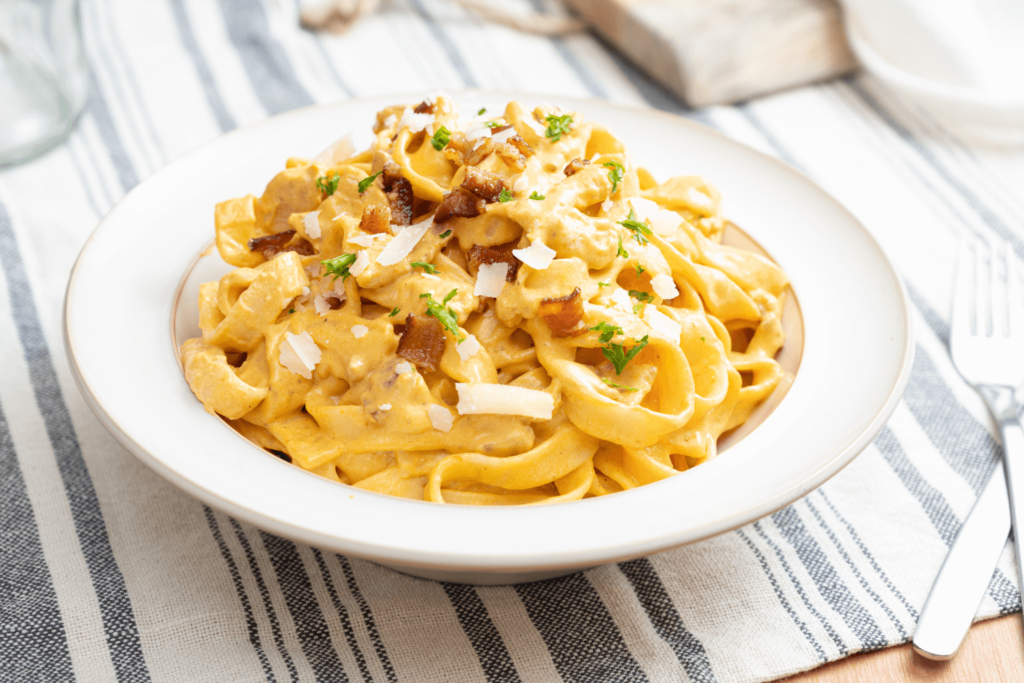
(603, 284)
(291, 311)
(640, 230)
(427, 267)
(440, 138)
(639, 269)
(444, 315)
(615, 175)
(365, 183)
(622, 253)
(557, 126)
(537, 196)
(619, 356)
(618, 386)
(445, 234)
(702, 338)
(493, 124)
(482, 111)
(338, 266)
(505, 196)
(394, 312)
(607, 331)
(328, 185)
(643, 297)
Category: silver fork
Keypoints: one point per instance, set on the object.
(986, 342)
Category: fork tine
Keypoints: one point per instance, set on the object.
(997, 296)
(1015, 301)
(962, 319)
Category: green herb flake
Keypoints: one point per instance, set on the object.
(365, 183)
(702, 338)
(445, 234)
(446, 316)
(427, 267)
(338, 266)
(505, 196)
(557, 126)
(618, 386)
(607, 331)
(440, 138)
(622, 253)
(639, 269)
(536, 196)
(640, 230)
(493, 124)
(290, 311)
(619, 356)
(641, 296)
(603, 284)
(394, 312)
(616, 174)
(328, 185)
(483, 110)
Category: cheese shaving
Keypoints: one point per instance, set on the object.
(477, 131)
(390, 121)
(362, 261)
(662, 324)
(662, 221)
(622, 301)
(416, 122)
(299, 354)
(503, 136)
(311, 224)
(537, 128)
(664, 286)
(403, 368)
(441, 418)
(522, 182)
(359, 331)
(490, 279)
(364, 240)
(502, 399)
(305, 291)
(538, 255)
(699, 200)
(337, 152)
(321, 305)
(468, 348)
(403, 243)
(385, 406)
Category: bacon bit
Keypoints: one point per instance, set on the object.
(460, 203)
(424, 107)
(463, 153)
(480, 255)
(564, 315)
(376, 219)
(272, 245)
(399, 193)
(575, 166)
(485, 184)
(422, 342)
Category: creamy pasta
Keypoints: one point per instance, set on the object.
(484, 309)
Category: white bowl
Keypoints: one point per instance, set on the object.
(856, 356)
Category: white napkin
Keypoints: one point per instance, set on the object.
(961, 59)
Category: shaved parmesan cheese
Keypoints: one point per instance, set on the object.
(416, 122)
(429, 276)
(313, 269)
(664, 286)
(390, 121)
(490, 279)
(537, 128)
(662, 221)
(305, 291)
(662, 324)
(299, 354)
(503, 136)
(538, 255)
(478, 143)
(385, 406)
(362, 261)
(337, 152)
(339, 288)
(468, 348)
(364, 240)
(607, 205)
(311, 222)
(441, 418)
(522, 182)
(321, 305)
(699, 200)
(403, 368)
(358, 331)
(502, 399)
(403, 243)
(622, 301)
(477, 131)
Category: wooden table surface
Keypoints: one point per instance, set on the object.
(992, 653)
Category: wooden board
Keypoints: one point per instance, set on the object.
(993, 652)
(720, 51)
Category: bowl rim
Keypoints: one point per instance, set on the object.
(635, 547)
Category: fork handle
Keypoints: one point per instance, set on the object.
(1004, 406)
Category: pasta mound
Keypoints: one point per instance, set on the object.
(624, 339)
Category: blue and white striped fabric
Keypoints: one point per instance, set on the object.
(108, 573)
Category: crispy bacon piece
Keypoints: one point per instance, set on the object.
(575, 166)
(480, 255)
(460, 203)
(484, 184)
(422, 342)
(463, 153)
(399, 192)
(424, 107)
(272, 245)
(376, 219)
(564, 315)
(513, 151)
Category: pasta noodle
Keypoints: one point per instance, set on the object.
(485, 310)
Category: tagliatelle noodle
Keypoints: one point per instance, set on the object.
(575, 378)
